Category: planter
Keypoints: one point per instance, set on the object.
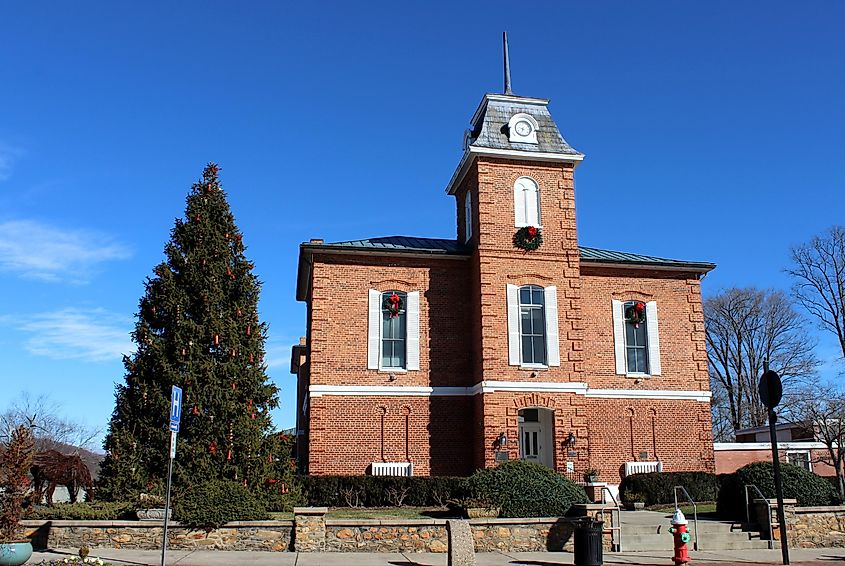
(591, 479)
(15, 553)
(482, 512)
(635, 506)
(153, 514)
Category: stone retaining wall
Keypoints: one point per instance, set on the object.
(147, 535)
(310, 531)
(815, 527)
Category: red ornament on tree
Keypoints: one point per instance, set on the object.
(196, 410)
(229, 454)
(249, 330)
(213, 448)
(216, 339)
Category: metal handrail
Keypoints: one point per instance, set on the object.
(768, 508)
(694, 512)
(618, 522)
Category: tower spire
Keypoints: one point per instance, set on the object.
(507, 64)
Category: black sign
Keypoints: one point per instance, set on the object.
(502, 456)
(771, 389)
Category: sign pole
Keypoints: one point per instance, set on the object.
(167, 504)
(771, 391)
(175, 418)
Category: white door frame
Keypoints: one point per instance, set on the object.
(538, 445)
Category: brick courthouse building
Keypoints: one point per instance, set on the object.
(437, 357)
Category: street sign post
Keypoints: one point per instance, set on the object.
(175, 419)
(771, 392)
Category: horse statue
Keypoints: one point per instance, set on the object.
(52, 468)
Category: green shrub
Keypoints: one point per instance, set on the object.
(212, 504)
(659, 487)
(380, 491)
(525, 489)
(97, 511)
(282, 496)
(808, 488)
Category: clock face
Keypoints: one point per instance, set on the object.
(523, 128)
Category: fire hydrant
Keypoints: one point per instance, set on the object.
(679, 531)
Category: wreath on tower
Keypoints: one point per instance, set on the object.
(635, 313)
(393, 304)
(528, 238)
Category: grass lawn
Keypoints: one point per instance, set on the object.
(375, 513)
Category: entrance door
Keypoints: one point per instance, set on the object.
(529, 441)
(535, 436)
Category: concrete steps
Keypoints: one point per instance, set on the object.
(651, 532)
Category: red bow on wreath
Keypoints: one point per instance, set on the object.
(636, 313)
(532, 232)
(394, 304)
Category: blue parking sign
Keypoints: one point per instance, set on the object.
(175, 408)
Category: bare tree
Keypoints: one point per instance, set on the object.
(51, 430)
(818, 268)
(744, 328)
(823, 410)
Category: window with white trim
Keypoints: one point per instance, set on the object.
(468, 216)
(636, 338)
(533, 339)
(393, 330)
(532, 325)
(800, 458)
(394, 323)
(526, 202)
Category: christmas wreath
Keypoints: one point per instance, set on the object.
(635, 313)
(528, 238)
(393, 304)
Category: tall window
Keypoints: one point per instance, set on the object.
(532, 325)
(394, 329)
(468, 216)
(526, 202)
(636, 339)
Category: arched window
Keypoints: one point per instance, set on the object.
(526, 202)
(532, 325)
(394, 328)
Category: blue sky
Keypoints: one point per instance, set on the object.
(713, 131)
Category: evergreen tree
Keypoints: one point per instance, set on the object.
(198, 328)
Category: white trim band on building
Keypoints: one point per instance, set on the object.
(727, 446)
(578, 388)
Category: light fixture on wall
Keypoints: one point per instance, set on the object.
(502, 441)
(391, 377)
(571, 439)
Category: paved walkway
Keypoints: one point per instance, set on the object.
(816, 557)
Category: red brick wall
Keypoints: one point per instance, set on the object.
(346, 434)
(338, 326)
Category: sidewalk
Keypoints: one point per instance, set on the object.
(815, 557)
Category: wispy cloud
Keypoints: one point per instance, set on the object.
(277, 351)
(38, 251)
(92, 335)
(8, 156)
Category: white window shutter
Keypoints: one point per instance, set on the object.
(532, 206)
(653, 338)
(513, 325)
(519, 204)
(374, 330)
(552, 335)
(412, 320)
(468, 217)
(619, 337)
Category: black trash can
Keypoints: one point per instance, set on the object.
(588, 549)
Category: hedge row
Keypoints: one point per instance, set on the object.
(380, 491)
(808, 488)
(659, 487)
